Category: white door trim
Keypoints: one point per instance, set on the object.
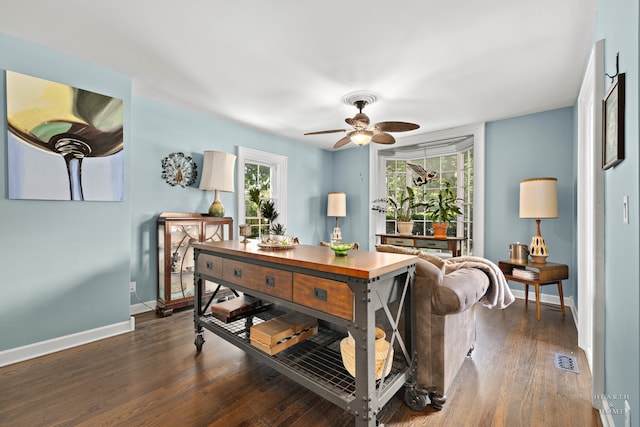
(590, 228)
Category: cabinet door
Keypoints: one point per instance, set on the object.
(179, 251)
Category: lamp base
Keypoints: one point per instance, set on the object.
(216, 208)
(336, 236)
(538, 248)
(539, 259)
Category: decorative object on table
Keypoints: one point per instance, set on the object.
(245, 231)
(424, 176)
(278, 231)
(337, 207)
(341, 248)
(284, 242)
(401, 208)
(538, 199)
(382, 349)
(178, 169)
(518, 252)
(363, 132)
(443, 209)
(63, 142)
(613, 123)
(217, 175)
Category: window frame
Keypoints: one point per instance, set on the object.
(377, 182)
(278, 180)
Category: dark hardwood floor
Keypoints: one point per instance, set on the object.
(155, 377)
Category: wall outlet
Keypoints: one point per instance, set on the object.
(132, 287)
(627, 414)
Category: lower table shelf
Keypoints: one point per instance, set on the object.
(317, 359)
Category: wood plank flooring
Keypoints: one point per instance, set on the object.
(155, 377)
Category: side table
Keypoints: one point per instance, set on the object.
(548, 274)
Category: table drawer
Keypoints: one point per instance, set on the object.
(399, 241)
(209, 265)
(328, 296)
(432, 244)
(267, 280)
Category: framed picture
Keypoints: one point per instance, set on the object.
(613, 124)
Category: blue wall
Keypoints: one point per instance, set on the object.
(65, 265)
(160, 129)
(536, 145)
(351, 175)
(617, 22)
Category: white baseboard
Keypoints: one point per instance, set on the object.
(142, 307)
(550, 299)
(30, 351)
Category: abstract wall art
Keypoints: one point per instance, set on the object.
(64, 143)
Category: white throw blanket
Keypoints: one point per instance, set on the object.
(498, 294)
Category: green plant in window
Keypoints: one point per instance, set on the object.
(443, 208)
(402, 208)
(268, 210)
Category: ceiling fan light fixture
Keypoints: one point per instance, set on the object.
(361, 137)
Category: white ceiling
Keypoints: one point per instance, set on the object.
(283, 66)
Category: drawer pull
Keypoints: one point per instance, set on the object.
(209, 265)
(320, 294)
(237, 272)
(270, 281)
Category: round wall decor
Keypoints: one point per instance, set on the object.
(178, 169)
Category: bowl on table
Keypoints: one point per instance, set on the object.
(341, 248)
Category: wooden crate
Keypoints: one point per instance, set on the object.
(282, 332)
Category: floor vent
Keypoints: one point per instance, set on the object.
(568, 363)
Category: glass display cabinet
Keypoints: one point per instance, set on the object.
(176, 234)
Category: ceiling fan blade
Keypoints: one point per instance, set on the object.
(396, 126)
(383, 138)
(343, 141)
(326, 131)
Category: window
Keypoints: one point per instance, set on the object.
(458, 157)
(262, 180)
(454, 169)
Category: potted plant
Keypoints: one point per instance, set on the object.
(443, 209)
(402, 209)
(278, 231)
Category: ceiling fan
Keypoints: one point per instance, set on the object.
(363, 132)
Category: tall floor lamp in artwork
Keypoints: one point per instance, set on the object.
(217, 175)
(337, 207)
(539, 199)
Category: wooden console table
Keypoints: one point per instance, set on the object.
(548, 274)
(350, 293)
(452, 244)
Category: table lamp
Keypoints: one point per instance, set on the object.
(539, 199)
(217, 174)
(337, 207)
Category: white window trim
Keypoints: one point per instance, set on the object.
(279, 179)
(377, 184)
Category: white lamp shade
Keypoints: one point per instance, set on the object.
(337, 204)
(217, 171)
(539, 198)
